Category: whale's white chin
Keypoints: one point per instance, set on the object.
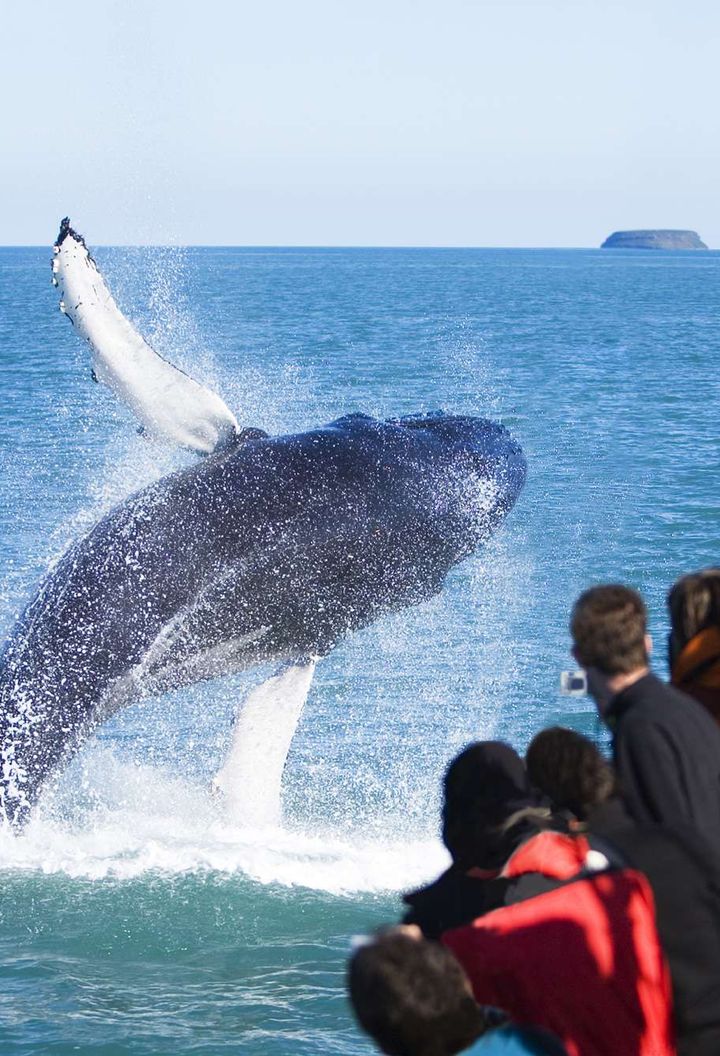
(167, 402)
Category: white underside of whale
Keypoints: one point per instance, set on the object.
(168, 402)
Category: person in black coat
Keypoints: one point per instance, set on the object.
(666, 747)
(682, 868)
(489, 809)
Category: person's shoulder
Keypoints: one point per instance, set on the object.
(652, 701)
(517, 1041)
(650, 688)
(429, 891)
(452, 900)
(686, 844)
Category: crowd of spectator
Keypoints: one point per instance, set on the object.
(581, 910)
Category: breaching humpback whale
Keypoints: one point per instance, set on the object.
(269, 548)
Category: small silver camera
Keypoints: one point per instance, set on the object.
(573, 683)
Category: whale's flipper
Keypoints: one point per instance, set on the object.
(167, 401)
(250, 779)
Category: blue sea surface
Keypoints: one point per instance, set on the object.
(134, 919)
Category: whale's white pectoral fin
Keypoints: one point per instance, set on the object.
(168, 402)
(250, 779)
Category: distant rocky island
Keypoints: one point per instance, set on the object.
(654, 239)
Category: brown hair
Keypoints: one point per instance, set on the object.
(412, 997)
(569, 770)
(608, 626)
(694, 604)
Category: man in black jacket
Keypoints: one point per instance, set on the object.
(666, 747)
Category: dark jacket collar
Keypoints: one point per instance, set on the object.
(625, 699)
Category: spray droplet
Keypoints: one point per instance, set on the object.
(62, 306)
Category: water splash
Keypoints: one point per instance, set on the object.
(110, 818)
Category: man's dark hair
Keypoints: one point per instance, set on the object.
(413, 997)
(569, 770)
(608, 627)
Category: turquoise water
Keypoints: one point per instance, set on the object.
(135, 917)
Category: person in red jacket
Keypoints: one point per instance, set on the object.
(682, 868)
(582, 959)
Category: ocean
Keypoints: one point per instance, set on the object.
(135, 918)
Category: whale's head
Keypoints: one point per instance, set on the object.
(476, 467)
(458, 474)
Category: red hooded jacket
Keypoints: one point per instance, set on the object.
(582, 960)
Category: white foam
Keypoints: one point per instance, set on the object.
(126, 821)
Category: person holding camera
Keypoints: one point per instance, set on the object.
(666, 747)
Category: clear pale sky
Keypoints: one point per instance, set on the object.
(359, 122)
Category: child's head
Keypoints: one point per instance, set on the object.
(412, 997)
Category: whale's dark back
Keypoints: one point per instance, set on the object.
(274, 549)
